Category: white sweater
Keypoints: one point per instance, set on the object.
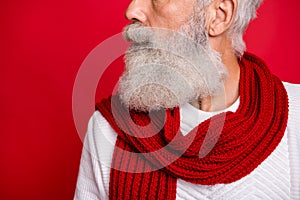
(278, 177)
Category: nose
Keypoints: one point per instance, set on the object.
(136, 11)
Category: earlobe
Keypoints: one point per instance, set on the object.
(221, 16)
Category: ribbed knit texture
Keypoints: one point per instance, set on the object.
(294, 140)
(249, 136)
(276, 178)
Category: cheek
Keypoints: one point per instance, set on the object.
(170, 13)
(170, 16)
(178, 13)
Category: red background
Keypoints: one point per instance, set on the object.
(43, 44)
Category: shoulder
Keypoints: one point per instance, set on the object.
(293, 91)
(98, 126)
(98, 123)
(93, 177)
(100, 137)
(293, 128)
(292, 88)
(293, 133)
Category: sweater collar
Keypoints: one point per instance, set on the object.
(190, 117)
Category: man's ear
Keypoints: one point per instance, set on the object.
(220, 16)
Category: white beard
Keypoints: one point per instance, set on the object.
(166, 69)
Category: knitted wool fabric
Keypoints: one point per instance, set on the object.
(150, 154)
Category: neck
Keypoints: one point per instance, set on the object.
(231, 86)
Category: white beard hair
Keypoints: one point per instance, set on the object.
(166, 69)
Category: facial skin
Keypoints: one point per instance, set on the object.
(174, 15)
(168, 14)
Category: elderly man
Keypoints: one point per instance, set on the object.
(195, 117)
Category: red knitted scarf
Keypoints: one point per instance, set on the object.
(150, 155)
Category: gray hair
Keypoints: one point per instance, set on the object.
(246, 11)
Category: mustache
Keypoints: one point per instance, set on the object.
(161, 39)
(138, 33)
